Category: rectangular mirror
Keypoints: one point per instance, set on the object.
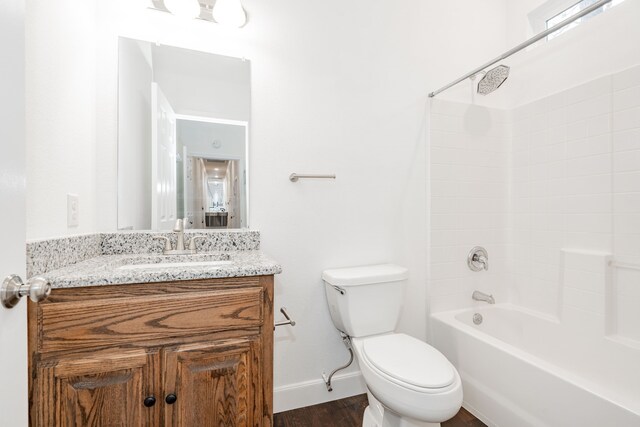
(183, 120)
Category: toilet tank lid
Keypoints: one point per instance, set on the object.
(365, 275)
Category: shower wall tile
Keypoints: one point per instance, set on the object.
(627, 119)
(626, 165)
(627, 140)
(561, 192)
(587, 90)
(469, 190)
(586, 281)
(626, 78)
(626, 98)
(625, 304)
(571, 165)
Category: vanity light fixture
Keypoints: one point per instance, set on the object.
(224, 12)
(229, 13)
(188, 9)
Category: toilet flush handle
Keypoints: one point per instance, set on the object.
(338, 288)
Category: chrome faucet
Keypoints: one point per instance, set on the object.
(180, 243)
(179, 228)
(478, 259)
(481, 296)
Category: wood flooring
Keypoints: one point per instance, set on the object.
(348, 413)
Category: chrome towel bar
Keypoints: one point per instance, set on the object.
(294, 177)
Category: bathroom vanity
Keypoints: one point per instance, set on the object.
(183, 346)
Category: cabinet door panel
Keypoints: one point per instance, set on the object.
(216, 384)
(103, 390)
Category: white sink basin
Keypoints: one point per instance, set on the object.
(165, 265)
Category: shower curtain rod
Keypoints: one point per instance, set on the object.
(524, 45)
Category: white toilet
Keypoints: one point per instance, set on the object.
(409, 383)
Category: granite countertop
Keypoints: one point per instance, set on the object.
(140, 268)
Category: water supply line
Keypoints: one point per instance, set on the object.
(347, 343)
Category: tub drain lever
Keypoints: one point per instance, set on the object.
(347, 343)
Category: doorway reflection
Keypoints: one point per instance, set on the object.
(211, 173)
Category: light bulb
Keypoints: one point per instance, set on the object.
(229, 12)
(188, 9)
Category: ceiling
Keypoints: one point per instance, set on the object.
(211, 166)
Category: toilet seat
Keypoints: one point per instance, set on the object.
(408, 362)
(398, 393)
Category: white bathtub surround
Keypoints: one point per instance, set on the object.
(521, 368)
(469, 161)
(561, 172)
(573, 207)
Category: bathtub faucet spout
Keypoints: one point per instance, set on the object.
(481, 296)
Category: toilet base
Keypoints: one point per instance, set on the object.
(376, 415)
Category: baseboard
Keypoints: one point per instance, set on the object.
(312, 392)
(478, 414)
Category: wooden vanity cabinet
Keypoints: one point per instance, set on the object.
(194, 353)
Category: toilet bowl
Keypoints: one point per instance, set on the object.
(409, 383)
(409, 378)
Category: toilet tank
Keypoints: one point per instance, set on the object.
(365, 300)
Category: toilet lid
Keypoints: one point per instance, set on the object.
(409, 360)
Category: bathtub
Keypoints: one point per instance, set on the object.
(521, 369)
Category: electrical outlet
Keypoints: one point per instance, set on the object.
(73, 215)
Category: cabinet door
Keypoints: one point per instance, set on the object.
(98, 390)
(216, 384)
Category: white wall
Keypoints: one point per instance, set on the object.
(337, 87)
(62, 113)
(519, 27)
(602, 46)
(135, 74)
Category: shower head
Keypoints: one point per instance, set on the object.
(493, 79)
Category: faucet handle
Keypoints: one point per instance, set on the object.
(167, 242)
(192, 242)
(478, 259)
